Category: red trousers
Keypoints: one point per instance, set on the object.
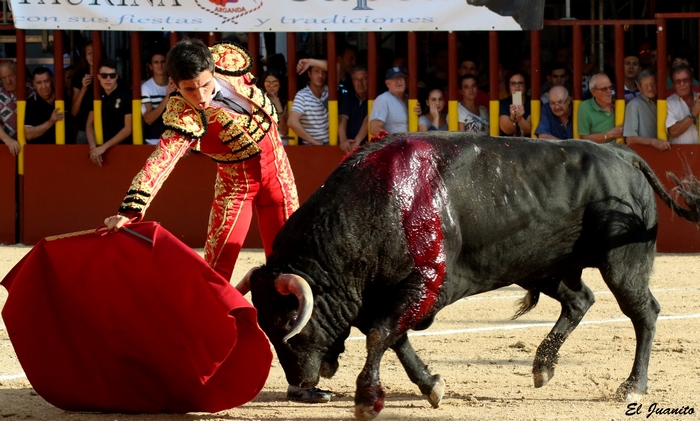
(264, 182)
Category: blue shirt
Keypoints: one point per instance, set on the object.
(552, 125)
(356, 110)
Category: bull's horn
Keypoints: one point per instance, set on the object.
(244, 285)
(294, 284)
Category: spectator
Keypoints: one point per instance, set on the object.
(42, 114)
(309, 115)
(470, 66)
(675, 61)
(683, 107)
(558, 76)
(556, 122)
(436, 118)
(514, 116)
(352, 118)
(82, 93)
(632, 68)
(596, 116)
(116, 112)
(346, 61)
(640, 114)
(271, 84)
(473, 118)
(154, 94)
(8, 106)
(390, 109)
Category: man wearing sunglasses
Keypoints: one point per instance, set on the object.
(116, 113)
(596, 116)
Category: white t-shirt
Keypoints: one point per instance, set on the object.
(154, 94)
(678, 110)
(474, 123)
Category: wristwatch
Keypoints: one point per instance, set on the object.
(694, 118)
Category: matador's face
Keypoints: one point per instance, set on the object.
(198, 91)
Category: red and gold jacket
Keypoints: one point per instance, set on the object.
(224, 136)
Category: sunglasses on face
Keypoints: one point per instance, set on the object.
(108, 75)
(604, 88)
(272, 83)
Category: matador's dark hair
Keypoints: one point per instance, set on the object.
(187, 59)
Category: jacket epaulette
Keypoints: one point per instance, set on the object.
(231, 59)
(180, 116)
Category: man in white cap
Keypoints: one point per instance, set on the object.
(390, 109)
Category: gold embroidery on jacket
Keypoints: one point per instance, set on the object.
(182, 117)
(240, 132)
(157, 168)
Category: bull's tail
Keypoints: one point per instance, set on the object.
(527, 303)
(688, 189)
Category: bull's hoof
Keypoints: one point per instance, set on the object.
(436, 393)
(365, 413)
(629, 392)
(543, 377)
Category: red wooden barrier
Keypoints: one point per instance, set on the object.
(676, 235)
(8, 196)
(65, 192)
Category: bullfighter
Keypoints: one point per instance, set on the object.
(218, 110)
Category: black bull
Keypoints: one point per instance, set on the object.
(414, 222)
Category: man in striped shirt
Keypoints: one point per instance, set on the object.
(309, 115)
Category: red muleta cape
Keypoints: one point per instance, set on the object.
(116, 324)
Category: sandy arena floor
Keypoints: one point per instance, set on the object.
(484, 357)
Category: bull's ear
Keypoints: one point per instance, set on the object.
(244, 285)
(287, 284)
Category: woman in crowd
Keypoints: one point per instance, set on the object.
(514, 111)
(472, 118)
(436, 117)
(271, 84)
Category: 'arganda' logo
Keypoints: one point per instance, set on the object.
(229, 10)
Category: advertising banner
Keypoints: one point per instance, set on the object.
(279, 15)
